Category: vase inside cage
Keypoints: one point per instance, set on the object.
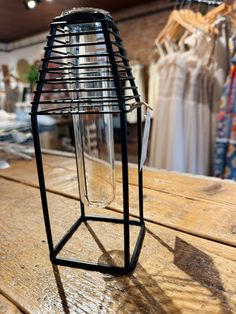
(93, 132)
(84, 74)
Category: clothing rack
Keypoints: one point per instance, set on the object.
(213, 3)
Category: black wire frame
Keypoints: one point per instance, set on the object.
(130, 260)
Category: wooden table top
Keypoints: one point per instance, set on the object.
(187, 264)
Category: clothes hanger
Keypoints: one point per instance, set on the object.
(226, 8)
(205, 22)
(197, 21)
(176, 25)
(186, 19)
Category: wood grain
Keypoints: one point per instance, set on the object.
(7, 307)
(201, 206)
(176, 273)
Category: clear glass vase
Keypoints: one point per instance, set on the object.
(93, 131)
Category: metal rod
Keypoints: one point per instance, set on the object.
(112, 220)
(87, 56)
(88, 101)
(139, 132)
(64, 90)
(68, 235)
(84, 44)
(93, 72)
(42, 186)
(138, 246)
(91, 266)
(82, 207)
(57, 52)
(41, 113)
(95, 78)
(124, 145)
(208, 2)
(38, 155)
(75, 33)
(95, 66)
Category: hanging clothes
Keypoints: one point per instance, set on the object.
(153, 82)
(168, 121)
(225, 157)
(188, 87)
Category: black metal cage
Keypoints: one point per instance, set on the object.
(56, 84)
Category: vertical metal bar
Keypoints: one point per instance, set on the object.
(139, 131)
(43, 194)
(82, 211)
(81, 134)
(79, 143)
(37, 147)
(124, 144)
(140, 172)
(76, 134)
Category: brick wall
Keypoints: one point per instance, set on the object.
(139, 34)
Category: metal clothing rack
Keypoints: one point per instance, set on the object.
(213, 3)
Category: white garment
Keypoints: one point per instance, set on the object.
(188, 97)
(153, 83)
(204, 121)
(219, 72)
(167, 151)
(158, 138)
(191, 100)
(175, 159)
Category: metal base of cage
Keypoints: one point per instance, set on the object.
(93, 266)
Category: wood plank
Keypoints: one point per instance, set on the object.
(187, 185)
(170, 199)
(7, 307)
(176, 273)
(190, 186)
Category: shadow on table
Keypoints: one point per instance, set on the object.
(138, 292)
(199, 266)
(60, 289)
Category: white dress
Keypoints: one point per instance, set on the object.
(190, 102)
(167, 151)
(182, 121)
(153, 82)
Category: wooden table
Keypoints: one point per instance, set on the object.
(187, 264)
